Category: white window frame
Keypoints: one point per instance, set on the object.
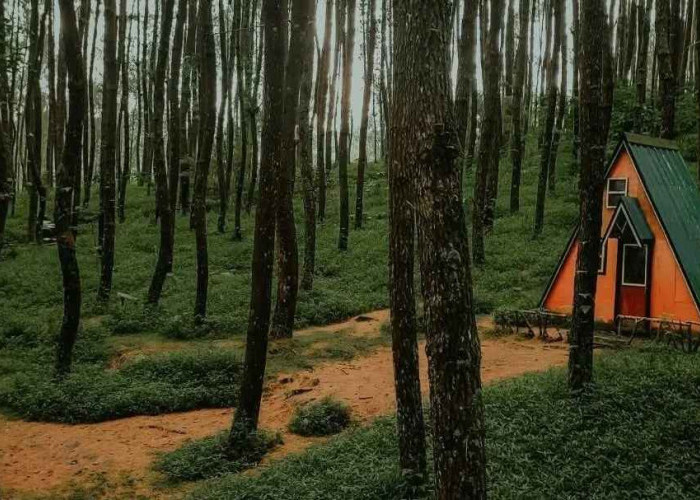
(603, 257)
(646, 264)
(608, 192)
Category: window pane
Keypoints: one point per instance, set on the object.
(618, 185)
(634, 266)
(614, 199)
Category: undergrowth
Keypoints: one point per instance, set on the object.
(320, 418)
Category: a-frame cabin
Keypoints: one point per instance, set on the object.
(650, 252)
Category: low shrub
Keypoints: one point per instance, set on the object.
(149, 386)
(322, 418)
(209, 457)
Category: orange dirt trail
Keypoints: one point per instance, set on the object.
(37, 457)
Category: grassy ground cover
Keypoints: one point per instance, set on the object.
(637, 435)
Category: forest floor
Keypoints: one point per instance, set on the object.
(47, 459)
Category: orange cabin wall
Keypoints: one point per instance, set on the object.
(670, 295)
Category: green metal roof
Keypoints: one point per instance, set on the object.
(675, 197)
(636, 217)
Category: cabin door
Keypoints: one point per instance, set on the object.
(633, 280)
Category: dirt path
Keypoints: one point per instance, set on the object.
(36, 457)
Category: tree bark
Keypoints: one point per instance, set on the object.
(491, 124)
(163, 205)
(575, 104)
(321, 105)
(108, 146)
(518, 140)
(91, 114)
(345, 131)
(176, 123)
(245, 420)
(369, 79)
(667, 79)
(5, 134)
(287, 255)
(122, 61)
(242, 44)
(206, 55)
(596, 82)
(402, 187)
(510, 49)
(221, 166)
(466, 71)
(65, 236)
(306, 158)
(453, 347)
(550, 121)
(642, 57)
(188, 75)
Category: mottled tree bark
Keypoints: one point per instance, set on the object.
(242, 45)
(466, 71)
(206, 55)
(509, 49)
(163, 205)
(188, 75)
(518, 139)
(369, 79)
(122, 61)
(89, 173)
(345, 131)
(403, 153)
(65, 236)
(641, 70)
(596, 85)
(245, 420)
(176, 123)
(452, 342)
(561, 106)
(108, 147)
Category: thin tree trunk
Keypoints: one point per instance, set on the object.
(248, 410)
(518, 140)
(550, 121)
(287, 254)
(253, 114)
(65, 236)
(575, 102)
(667, 79)
(206, 52)
(466, 71)
(561, 107)
(596, 86)
(5, 134)
(51, 128)
(123, 110)
(321, 105)
(108, 148)
(220, 164)
(369, 79)
(244, 55)
(91, 113)
(345, 131)
(642, 58)
(306, 156)
(175, 127)
(163, 204)
(188, 75)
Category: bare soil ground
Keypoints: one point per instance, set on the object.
(37, 458)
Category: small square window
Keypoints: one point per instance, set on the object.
(634, 265)
(617, 188)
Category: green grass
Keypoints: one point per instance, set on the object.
(208, 457)
(637, 435)
(320, 418)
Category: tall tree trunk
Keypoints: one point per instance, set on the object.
(91, 113)
(561, 106)
(306, 155)
(345, 131)
(631, 40)
(596, 97)
(108, 146)
(369, 79)
(123, 109)
(454, 354)
(65, 235)
(402, 174)
(340, 26)
(510, 48)
(287, 255)
(188, 75)
(550, 121)
(175, 126)
(642, 58)
(667, 79)
(244, 56)
(206, 54)
(163, 205)
(687, 44)
(5, 132)
(575, 103)
(51, 127)
(491, 124)
(466, 71)
(321, 105)
(248, 410)
(220, 163)
(518, 140)
(252, 115)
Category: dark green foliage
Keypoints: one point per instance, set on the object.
(150, 386)
(636, 436)
(208, 457)
(321, 418)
